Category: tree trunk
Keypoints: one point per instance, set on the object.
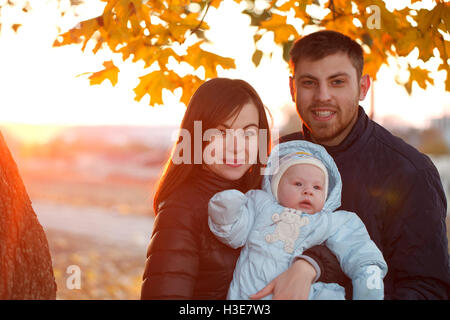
(26, 270)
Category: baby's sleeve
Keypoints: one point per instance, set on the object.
(231, 215)
(358, 255)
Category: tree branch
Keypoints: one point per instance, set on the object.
(203, 18)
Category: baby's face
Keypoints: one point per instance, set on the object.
(302, 188)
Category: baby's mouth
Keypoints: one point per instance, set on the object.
(306, 203)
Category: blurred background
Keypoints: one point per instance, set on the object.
(90, 155)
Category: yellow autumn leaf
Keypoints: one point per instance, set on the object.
(388, 20)
(427, 18)
(80, 33)
(110, 72)
(143, 50)
(283, 32)
(216, 3)
(421, 76)
(189, 84)
(371, 66)
(406, 43)
(153, 84)
(197, 57)
(179, 26)
(339, 4)
(150, 30)
(445, 15)
(446, 67)
(16, 27)
(425, 45)
(179, 3)
(160, 33)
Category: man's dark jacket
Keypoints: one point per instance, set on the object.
(397, 192)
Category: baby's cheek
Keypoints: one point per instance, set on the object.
(322, 201)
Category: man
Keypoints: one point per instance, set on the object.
(395, 189)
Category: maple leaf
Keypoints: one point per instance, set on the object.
(82, 32)
(406, 43)
(427, 18)
(197, 57)
(16, 27)
(283, 32)
(110, 72)
(419, 75)
(153, 84)
(149, 31)
(189, 83)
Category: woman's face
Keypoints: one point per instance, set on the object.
(234, 145)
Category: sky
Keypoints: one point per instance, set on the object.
(40, 84)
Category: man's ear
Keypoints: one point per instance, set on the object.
(292, 87)
(364, 85)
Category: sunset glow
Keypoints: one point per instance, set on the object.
(40, 84)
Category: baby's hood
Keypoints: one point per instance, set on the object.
(334, 178)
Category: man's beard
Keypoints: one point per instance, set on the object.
(323, 133)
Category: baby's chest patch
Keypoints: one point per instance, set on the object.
(288, 227)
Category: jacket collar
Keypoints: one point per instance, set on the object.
(209, 183)
(357, 137)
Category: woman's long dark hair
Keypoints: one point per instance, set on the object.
(214, 102)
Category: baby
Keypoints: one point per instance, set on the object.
(295, 210)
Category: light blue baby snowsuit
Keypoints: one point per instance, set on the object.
(273, 236)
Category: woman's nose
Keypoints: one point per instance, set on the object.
(235, 142)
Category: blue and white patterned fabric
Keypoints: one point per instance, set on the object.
(273, 236)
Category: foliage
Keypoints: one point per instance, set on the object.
(163, 32)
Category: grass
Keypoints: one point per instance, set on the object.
(106, 272)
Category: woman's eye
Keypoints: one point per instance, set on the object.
(250, 133)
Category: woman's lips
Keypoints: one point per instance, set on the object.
(234, 163)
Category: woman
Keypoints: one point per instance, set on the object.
(184, 259)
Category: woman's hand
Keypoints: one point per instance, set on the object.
(293, 284)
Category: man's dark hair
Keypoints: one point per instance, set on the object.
(321, 44)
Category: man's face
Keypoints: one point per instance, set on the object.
(327, 94)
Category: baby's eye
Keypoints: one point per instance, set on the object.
(298, 184)
(317, 188)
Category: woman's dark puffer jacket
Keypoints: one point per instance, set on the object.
(184, 259)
